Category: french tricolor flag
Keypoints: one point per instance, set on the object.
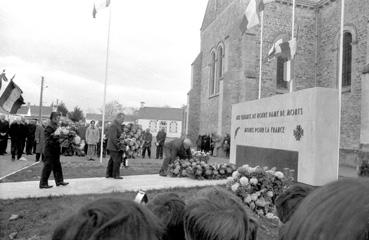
(251, 17)
(12, 99)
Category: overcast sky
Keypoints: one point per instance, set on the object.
(152, 45)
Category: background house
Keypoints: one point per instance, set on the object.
(155, 118)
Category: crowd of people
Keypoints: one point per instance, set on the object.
(336, 211)
(213, 144)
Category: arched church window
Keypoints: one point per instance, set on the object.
(212, 74)
(347, 59)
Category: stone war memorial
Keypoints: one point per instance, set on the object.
(298, 130)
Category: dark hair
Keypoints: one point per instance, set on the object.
(54, 114)
(110, 219)
(92, 121)
(287, 202)
(337, 211)
(169, 207)
(216, 214)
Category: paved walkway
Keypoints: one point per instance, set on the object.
(81, 186)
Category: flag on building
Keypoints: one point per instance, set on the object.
(98, 5)
(251, 17)
(286, 50)
(12, 99)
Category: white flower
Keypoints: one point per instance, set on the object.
(247, 199)
(254, 197)
(270, 215)
(235, 175)
(244, 181)
(270, 194)
(254, 180)
(279, 175)
(235, 187)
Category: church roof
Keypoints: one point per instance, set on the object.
(158, 113)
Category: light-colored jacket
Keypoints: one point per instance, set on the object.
(40, 139)
(92, 135)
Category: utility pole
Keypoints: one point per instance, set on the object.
(41, 93)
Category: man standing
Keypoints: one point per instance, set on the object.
(40, 141)
(16, 142)
(52, 154)
(92, 138)
(22, 137)
(82, 133)
(147, 138)
(31, 128)
(4, 130)
(115, 130)
(179, 147)
(160, 140)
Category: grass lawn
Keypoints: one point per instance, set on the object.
(38, 217)
(79, 167)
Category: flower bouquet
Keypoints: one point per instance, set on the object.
(131, 140)
(196, 168)
(259, 187)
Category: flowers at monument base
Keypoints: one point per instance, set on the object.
(131, 140)
(259, 187)
(201, 156)
(199, 169)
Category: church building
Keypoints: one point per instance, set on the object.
(226, 71)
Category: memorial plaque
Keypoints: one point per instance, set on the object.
(298, 130)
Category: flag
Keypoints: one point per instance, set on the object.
(286, 50)
(98, 5)
(12, 99)
(251, 17)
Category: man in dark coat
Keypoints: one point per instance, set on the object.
(114, 147)
(160, 140)
(30, 144)
(4, 131)
(52, 154)
(147, 140)
(16, 136)
(179, 147)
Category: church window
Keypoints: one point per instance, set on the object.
(220, 61)
(347, 59)
(212, 83)
(281, 73)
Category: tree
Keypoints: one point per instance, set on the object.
(62, 109)
(112, 108)
(76, 115)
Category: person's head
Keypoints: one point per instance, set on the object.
(336, 211)
(120, 118)
(187, 143)
(2, 117)
(169, 208)
(110, 219)
(92, 123)
(288, 201)
(147, 130)
(215, 214)
(55, 117)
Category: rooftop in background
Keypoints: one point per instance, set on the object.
(98, 117)
(33, 110)
(159, 113)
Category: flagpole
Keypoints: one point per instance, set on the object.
(105, 83)
(340, 78)
(261, 50)
(292, 36)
